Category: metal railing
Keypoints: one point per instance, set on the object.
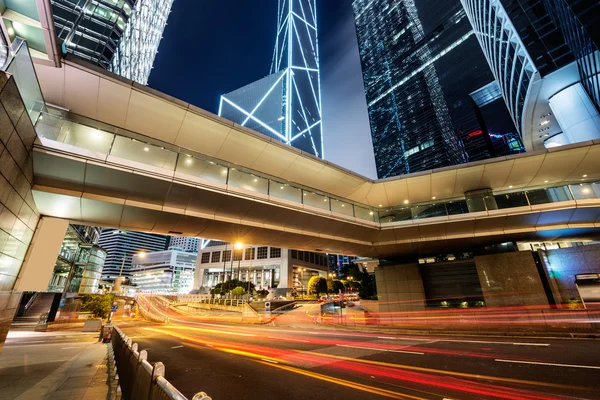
(139, 379)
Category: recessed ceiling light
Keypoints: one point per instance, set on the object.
(281, 187)
(433, 198)
(188, 161)
(545, 122)
(146, 149)
(585, 175)
(405, 201)
(255, 180)
(380, 205)
(371, 213)
(546, 181)
(324, 199)
(343, 205)
(510, 187)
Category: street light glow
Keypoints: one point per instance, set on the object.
(239, 246)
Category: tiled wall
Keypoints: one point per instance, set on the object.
(18, 214)
(510, 279)
(562, 265)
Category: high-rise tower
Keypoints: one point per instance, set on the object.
(286, 105)
(419, 65)
(121, 36)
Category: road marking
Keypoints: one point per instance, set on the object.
(374, 348)
(33, 341)
(177, 347)
(531, 344)
(386, 337)
(271, 361)
(550, 364)
(68, 348)
(292, 340)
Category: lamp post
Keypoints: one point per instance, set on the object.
(239, 246)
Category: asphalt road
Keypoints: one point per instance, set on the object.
(235, 361)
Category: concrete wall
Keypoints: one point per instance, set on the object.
(400, 288)
(18, 214)
(510, 279)
(561, 266)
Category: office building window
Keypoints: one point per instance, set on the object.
(275, 252)
(237, 255)
(205, 258)
(294, 254)
(215, 257)
(262, 253)
(250, 253)
(227, 256)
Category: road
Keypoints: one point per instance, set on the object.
(311, 362)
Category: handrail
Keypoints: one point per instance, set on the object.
(138, 378)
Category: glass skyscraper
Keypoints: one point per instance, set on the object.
(286, 105)
(121, 246)
(119, 35)
(420, 63)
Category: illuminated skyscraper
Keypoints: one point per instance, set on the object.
(420, 62)
(286, 105)
(139, 43)
(119, 35)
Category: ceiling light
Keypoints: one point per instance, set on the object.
(544, 122)
(188, 161)
(343, 205)
(585, 190)
(585, 175)
(146, 149)
(546, 181)
(380, 205)
(510, 187)
(324, 199)
(371, 213)
(255, 180)
(281, 118)
(405, 201)
(433, 198)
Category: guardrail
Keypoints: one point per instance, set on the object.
(220, 302)
(140, 380)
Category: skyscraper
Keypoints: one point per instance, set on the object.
(420, 63)
(188, 244)
(121, 246)
(545, 60)
(119, 35)
(286, 104)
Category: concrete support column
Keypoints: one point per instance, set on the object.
(38, 266)
(400, 288)
(510, 279)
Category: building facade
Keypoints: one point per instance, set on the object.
(545, 62)
(266, 267)
(118, 35)
(169, 271)
(420, 62)
(188, 244)
(286, 104)
(79, 265)
(121, 246)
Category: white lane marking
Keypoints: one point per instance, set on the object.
(271, 361)
(68, 348)
(33, 341)
(386, 337)
(291, 340)
(374, 348)
(531, 344)
(550, 364)
(177, 347)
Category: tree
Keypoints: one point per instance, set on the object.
(334, 286)
(224, 287)
(238, 291)
(98, 304)
(317, 285)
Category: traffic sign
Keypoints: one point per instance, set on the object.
(114, 308)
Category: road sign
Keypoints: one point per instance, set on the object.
(114, 308)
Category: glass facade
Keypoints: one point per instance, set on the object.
(139, 43)
(119, 35)
(91, 30)
(420, 62)
(286, 105)
(579, 21)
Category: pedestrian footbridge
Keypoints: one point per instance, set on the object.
(113, 153)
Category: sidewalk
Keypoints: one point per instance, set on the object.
(53, 365)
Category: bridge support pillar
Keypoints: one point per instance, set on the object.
(38, 266)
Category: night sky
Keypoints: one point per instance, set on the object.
(213, 47)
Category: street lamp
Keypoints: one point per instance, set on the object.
(349, 279)
(239, 246)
